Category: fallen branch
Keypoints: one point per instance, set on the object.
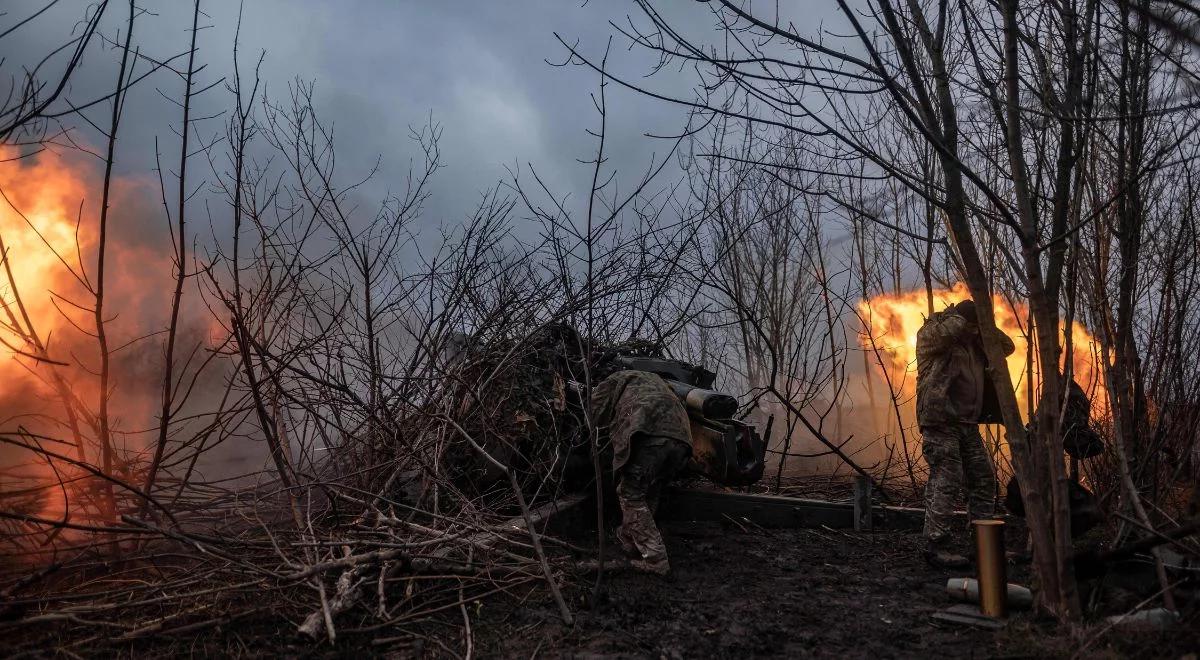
(350, 583)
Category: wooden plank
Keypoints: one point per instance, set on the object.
(899, 518)
(780, 512)
(763, 510)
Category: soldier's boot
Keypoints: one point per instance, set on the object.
(637, 527)
(658, 566)
(941, 555)
(626, 542)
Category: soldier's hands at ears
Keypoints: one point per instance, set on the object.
(1005, 342)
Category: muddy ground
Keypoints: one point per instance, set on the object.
(742, 592)
(737, 591)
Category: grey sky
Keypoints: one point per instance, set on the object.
(478, 67)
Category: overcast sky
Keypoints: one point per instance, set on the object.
(479, 68)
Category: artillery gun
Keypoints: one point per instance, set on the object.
(725, 450)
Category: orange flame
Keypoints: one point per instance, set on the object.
(42, 197)
(48, 221)
(893, 321)
(41, 202)
(39, 210)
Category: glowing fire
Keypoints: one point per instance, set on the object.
(48, 223)
(893, 322)
(38, 226)
(43, 241)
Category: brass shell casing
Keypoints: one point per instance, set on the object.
(993, 581)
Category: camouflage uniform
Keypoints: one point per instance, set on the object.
(952, 452)
(648, 433)
(1080, 440)
(951, 376)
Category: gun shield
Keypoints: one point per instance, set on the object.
(728, 452)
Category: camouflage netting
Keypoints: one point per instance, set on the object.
(514, 399)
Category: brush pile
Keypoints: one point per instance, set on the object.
(427, 508)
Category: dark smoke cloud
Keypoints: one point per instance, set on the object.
(479, 69)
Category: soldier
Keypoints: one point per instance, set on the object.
(647, 428)
(1080, 441)
(952, 375)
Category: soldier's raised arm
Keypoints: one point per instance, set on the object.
(1006, 342)
(943, 331)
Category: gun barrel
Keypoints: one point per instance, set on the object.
(706, 403)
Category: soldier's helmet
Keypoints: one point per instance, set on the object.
(966, 309)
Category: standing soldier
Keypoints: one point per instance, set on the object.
(952, 378)
(650, 438)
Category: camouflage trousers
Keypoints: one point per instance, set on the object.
(652, 462)
(955, 451)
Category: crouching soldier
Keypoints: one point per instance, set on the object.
(646, 427)
(952, 384)
(1080, 441)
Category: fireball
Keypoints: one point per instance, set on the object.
(892, 321)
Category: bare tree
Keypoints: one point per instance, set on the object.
(1003, 98)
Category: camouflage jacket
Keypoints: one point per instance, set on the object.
(951, 370)
(630, 402)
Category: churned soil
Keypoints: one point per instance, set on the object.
(742, 592)
(736, 591)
